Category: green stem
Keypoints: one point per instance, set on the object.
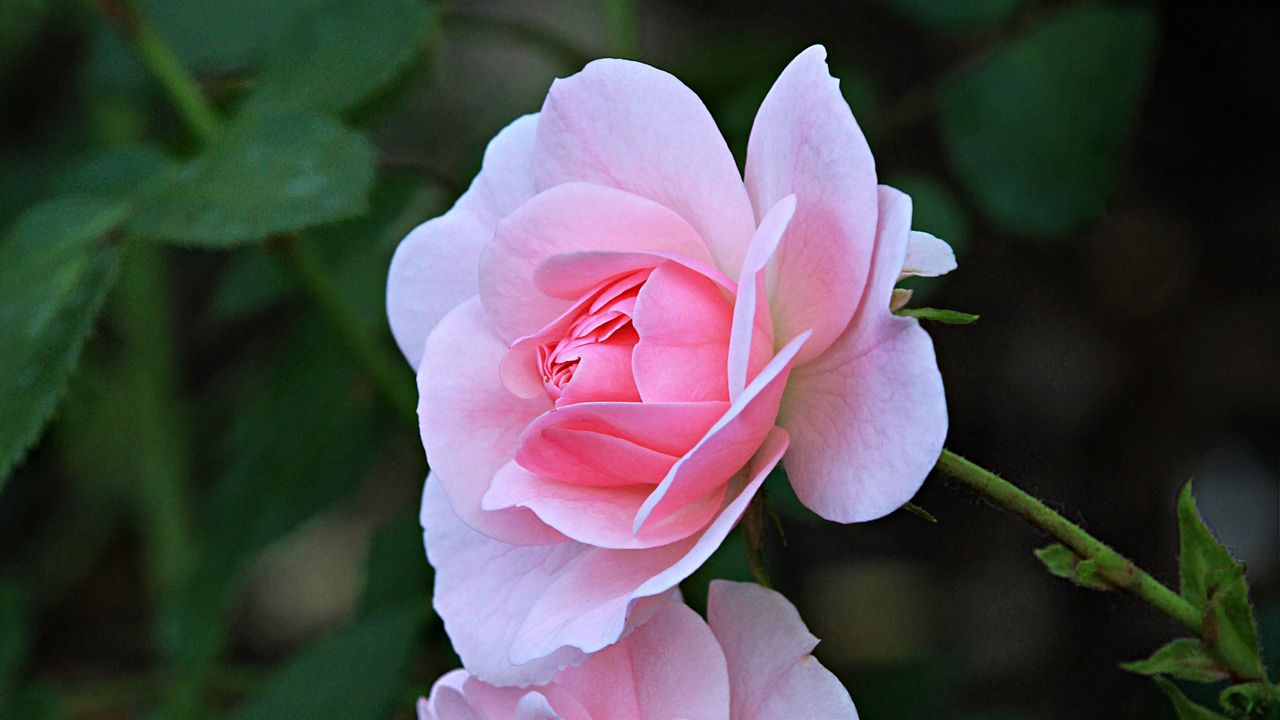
(148, 327)
(388, 373)
(179, 84)
(379, 362)
(1117, 570)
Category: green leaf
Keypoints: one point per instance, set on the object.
(1214, 583)
(271, 174)
(1182, 707)
(224, 36)
(342, 54)
(947, 317)
(1185, 658)
(397, 568)
(54, 275)
(1061, 561)
(956, 16)
(118, 174)
(1256, 700)
(354, 673)
(1038, 129)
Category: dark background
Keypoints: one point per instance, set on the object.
(1114, 359)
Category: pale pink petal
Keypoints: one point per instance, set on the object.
(599, 514)
(927, 256)
(435, 268)
(585, 604)
(672, 667)
(570, 218)
(471, 424)
(767, 646)
(728, 444)
(752, 326)
(869, 417)
(459, 696)
(683, 320)
(630, 126)
(805, 142)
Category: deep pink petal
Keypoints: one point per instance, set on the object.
(599, 515)
(683, 320)
(672, 667)
(569, 275)
(435, 268)
(633, 127)
(728, 445)
(767, 646)
(471, 423)
(805, 142)
(570, 218)
(752, 326)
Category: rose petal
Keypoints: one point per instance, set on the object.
(633, 127)
(927, 256)
(728, 445)
(471, 424)
(869, 417)
(767, 646)
(683, 320)
(569, 275)
(435, 267)
(752, 326)
(805, 142)
(569, 218)
(672, 667)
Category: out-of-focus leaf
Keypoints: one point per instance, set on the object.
(356, 251)
(20, 24)
(1255, 700)
(341, 54)
(14, 628)
(956, 16)
(270, 174)
(936, 210)
(119, 174)
(227, 35)
(397, 568)
(1061, 561)
(54, 275)
(303, 435)
(1213, 582)
(1038, 129)
(1185, 658)
(946, 317)
(1182, 706)
(353, 673)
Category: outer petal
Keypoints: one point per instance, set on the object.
(751, 323)
(771, 673)
(630, 126)
(471, 423)
(459, 696)
(570, 218)
(518, 614)
(869, 417)
(805, 142)
(435, 267)
(672, 667)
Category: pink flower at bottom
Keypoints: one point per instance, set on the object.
(750, 662)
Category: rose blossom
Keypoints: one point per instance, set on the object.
(752, 663)
(617, 338)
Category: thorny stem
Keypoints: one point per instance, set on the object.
(1115, 568)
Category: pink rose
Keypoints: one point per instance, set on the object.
(617, 338)
(752, 663)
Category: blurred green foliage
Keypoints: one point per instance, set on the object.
(218, 404)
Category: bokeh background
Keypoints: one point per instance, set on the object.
(220, 517)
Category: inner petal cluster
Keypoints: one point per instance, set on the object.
(591, 361)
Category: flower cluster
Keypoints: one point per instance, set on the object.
(617, 337)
